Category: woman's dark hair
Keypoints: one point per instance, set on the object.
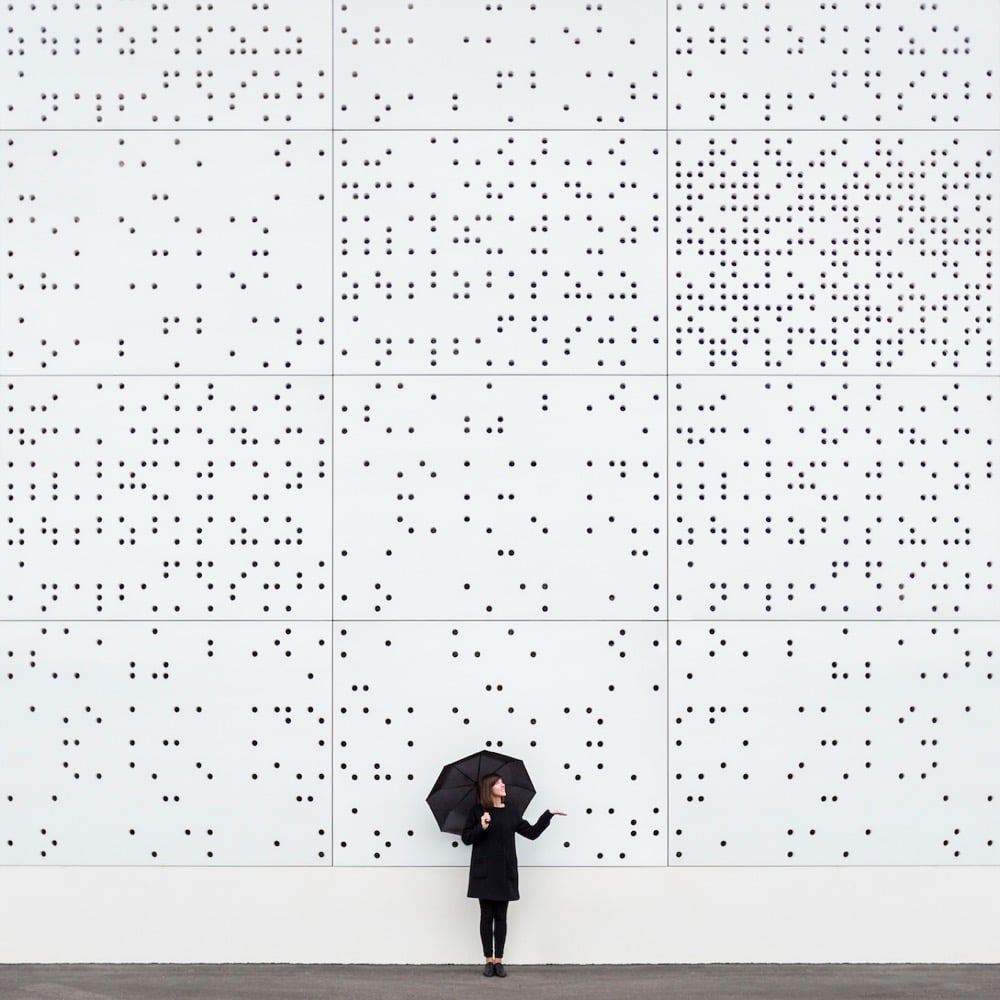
(486, 784)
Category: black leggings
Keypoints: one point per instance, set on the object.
(493, 926)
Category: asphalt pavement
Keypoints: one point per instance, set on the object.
(538, 982)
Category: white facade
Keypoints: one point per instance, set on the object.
(609, 384)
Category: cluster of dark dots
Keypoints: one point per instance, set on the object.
(804, 501)
(269, 70)
(96, 503)
(555, 314)
(369, 756)
(411, 486)
(166, 256)
(789, 255)
(857, 67)
(148, 739)
(844, 253)
(363, 42)
(854, 728)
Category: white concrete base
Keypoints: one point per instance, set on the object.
(567, 915)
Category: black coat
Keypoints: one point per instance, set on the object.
(493, 869)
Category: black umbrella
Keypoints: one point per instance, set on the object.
(457, 789)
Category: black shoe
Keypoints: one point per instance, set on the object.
(499, 971)
(490, 970)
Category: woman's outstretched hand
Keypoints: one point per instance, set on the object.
(556, 812)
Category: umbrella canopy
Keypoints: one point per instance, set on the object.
(457, 789)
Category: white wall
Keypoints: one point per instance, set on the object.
(611, 384)
(566, 915)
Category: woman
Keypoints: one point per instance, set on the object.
(490, 830)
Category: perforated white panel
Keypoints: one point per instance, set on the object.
(591, 733)
(115, 64)
(160, 252)
(528, 64)
(819, 744)
(487, 500)
(809, 252)
(878, 493)
(838, 65)
(166, 743)
(611, 384)
(500, 252)
(186, 499)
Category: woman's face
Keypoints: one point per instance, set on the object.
(499, 789)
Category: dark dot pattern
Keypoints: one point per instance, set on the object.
(167, 743)
(864, 737)
(166, 65)
(506, 252)
(611, 385)
(207, 228)
(587, 741)
(529, 65)
(832, 64)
